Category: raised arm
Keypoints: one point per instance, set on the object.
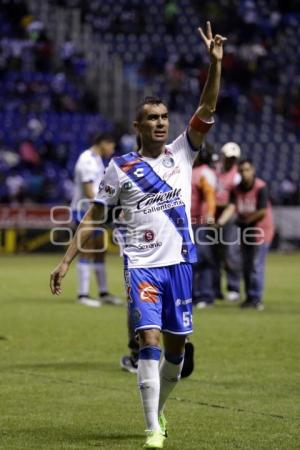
(203, 117)
(94, 215)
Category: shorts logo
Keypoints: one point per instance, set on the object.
(136, 315)
(168, 162)
(180, 301)
(127, 186)
(110, 190)
(148, 236)
(148, 292)
(127, 284)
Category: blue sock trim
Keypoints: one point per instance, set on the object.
(174, 359)
(150, 353)
(98, 264)
(85, 261)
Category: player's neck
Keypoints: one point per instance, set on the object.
(248, 184)
(96, 150)
(152, 150)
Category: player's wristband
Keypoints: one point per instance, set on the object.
(199, 125)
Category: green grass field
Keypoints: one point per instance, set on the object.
(62, 388)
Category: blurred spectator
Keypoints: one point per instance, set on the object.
(15, 184)
(127, 142)
(288, 191)
(29, 153)
(45, 97)
(171, 15)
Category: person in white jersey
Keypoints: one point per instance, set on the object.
(88, 174)
(153, 188)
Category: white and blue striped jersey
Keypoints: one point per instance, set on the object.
(155, 195)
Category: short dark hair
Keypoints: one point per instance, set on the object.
(246, 161)
(105, 136)
(150, 100)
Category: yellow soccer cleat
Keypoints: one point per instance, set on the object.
(155, 439)
(163, 424)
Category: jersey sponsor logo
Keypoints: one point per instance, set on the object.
(151, 245)
(148, 292)
(127, 186)
(110, 190)
(139, 172)
(179, 301)
(168, 175)
(160, 201)
(168, 162)
(158, 198)
(149, 235)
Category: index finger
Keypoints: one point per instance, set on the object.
(208, 30)
(203, 36)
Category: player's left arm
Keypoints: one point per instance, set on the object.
(202, 120)
(88, 190)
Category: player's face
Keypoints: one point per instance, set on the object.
(153, 127)
(247, 173)
(107, 148)
(228, 163)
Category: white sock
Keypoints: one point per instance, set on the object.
(101, 276)
(169, 376)
(148, 381)
(83, 277)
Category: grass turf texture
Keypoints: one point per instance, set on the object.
(62, 388)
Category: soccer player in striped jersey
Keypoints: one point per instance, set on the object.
(89, 173)
(153, 187)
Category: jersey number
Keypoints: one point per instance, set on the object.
(187, 319)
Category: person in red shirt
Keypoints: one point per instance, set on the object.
(203, 208)
(249, 201)
(227, 251)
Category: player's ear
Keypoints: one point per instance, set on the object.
(136, 126)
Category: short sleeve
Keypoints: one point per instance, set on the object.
(109, 188)
(85, 170)
(262, 198)
(182, 144)
(210, 177)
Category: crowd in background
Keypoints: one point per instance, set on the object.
(48, 114)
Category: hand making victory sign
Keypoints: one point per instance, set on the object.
(214, 44)
(203, 117)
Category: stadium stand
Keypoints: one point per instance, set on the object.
(56, 92)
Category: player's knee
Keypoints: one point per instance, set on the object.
(149, 338)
